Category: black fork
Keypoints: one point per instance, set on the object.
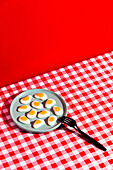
(72, 123)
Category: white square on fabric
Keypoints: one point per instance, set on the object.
(42, 156)
(56, 159)
(33, 86)
(100, 57)
(69, 67)
(12, 85)
(92, 59)
(71, 163)
(12, 167)
(73, 73)
(107, 55)
(53, 87)
(62, 69)
(37, 77)
(3, 88)
(66, 156)
(23, 163)
(52, 152)
(49, 81)
(70, 95)
(7, 95)
(61, 148)
(4, 151)
(24, 144)
(81, 70)
(53, 72)
(33, 159)
(70, 144)
(10, 140)
(14, 148)
(46, 164)
(47, 144)
(8, 159)
(92, 111)
(45, 75)
(15, 92)
(18, 155)
(66, 89)
(57, 78)
(24, 88)
(28, 152)
(65, 75)
(41, 83)
(62, 84)
(29, 80)
(61, 167)
(20, 83)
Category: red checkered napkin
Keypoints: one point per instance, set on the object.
(87, 88)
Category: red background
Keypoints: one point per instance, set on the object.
(39, 36)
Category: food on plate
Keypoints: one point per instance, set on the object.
(24, 119)
(44, 114)
(49, 103)
(24, 108)
(41, 96)
(57, 110)
(26, 99)
(38, 123)
(32, 114)
(52, 120)
(37, 104)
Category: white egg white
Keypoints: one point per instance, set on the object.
(57, 112)
(37, 107)
(26, 101)
(27, 109)
(44, 97)
(51, 104)
(51, 123)
(30, 116)
(35, 125)
(22, 121)
(41, 115)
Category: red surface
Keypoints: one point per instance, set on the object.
(39, 36)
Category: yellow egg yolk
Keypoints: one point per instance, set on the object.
(40, 94)
(43, 112)
(49, 101)
(26, 98)
(32, 112)
(36, 103)
(51, 119)
(23, 107)
(37, 121)
(23, 118)
(57, 109)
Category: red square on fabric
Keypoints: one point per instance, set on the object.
(59, 153)
(54, 165)
(78, 165)
(16, 161)
(102, 165)
(30, 165)
(87, 161)
(12, 153)
(6, 164)
(63, 161)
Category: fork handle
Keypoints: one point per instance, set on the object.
(97, 144)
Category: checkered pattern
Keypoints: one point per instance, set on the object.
(87, 88)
